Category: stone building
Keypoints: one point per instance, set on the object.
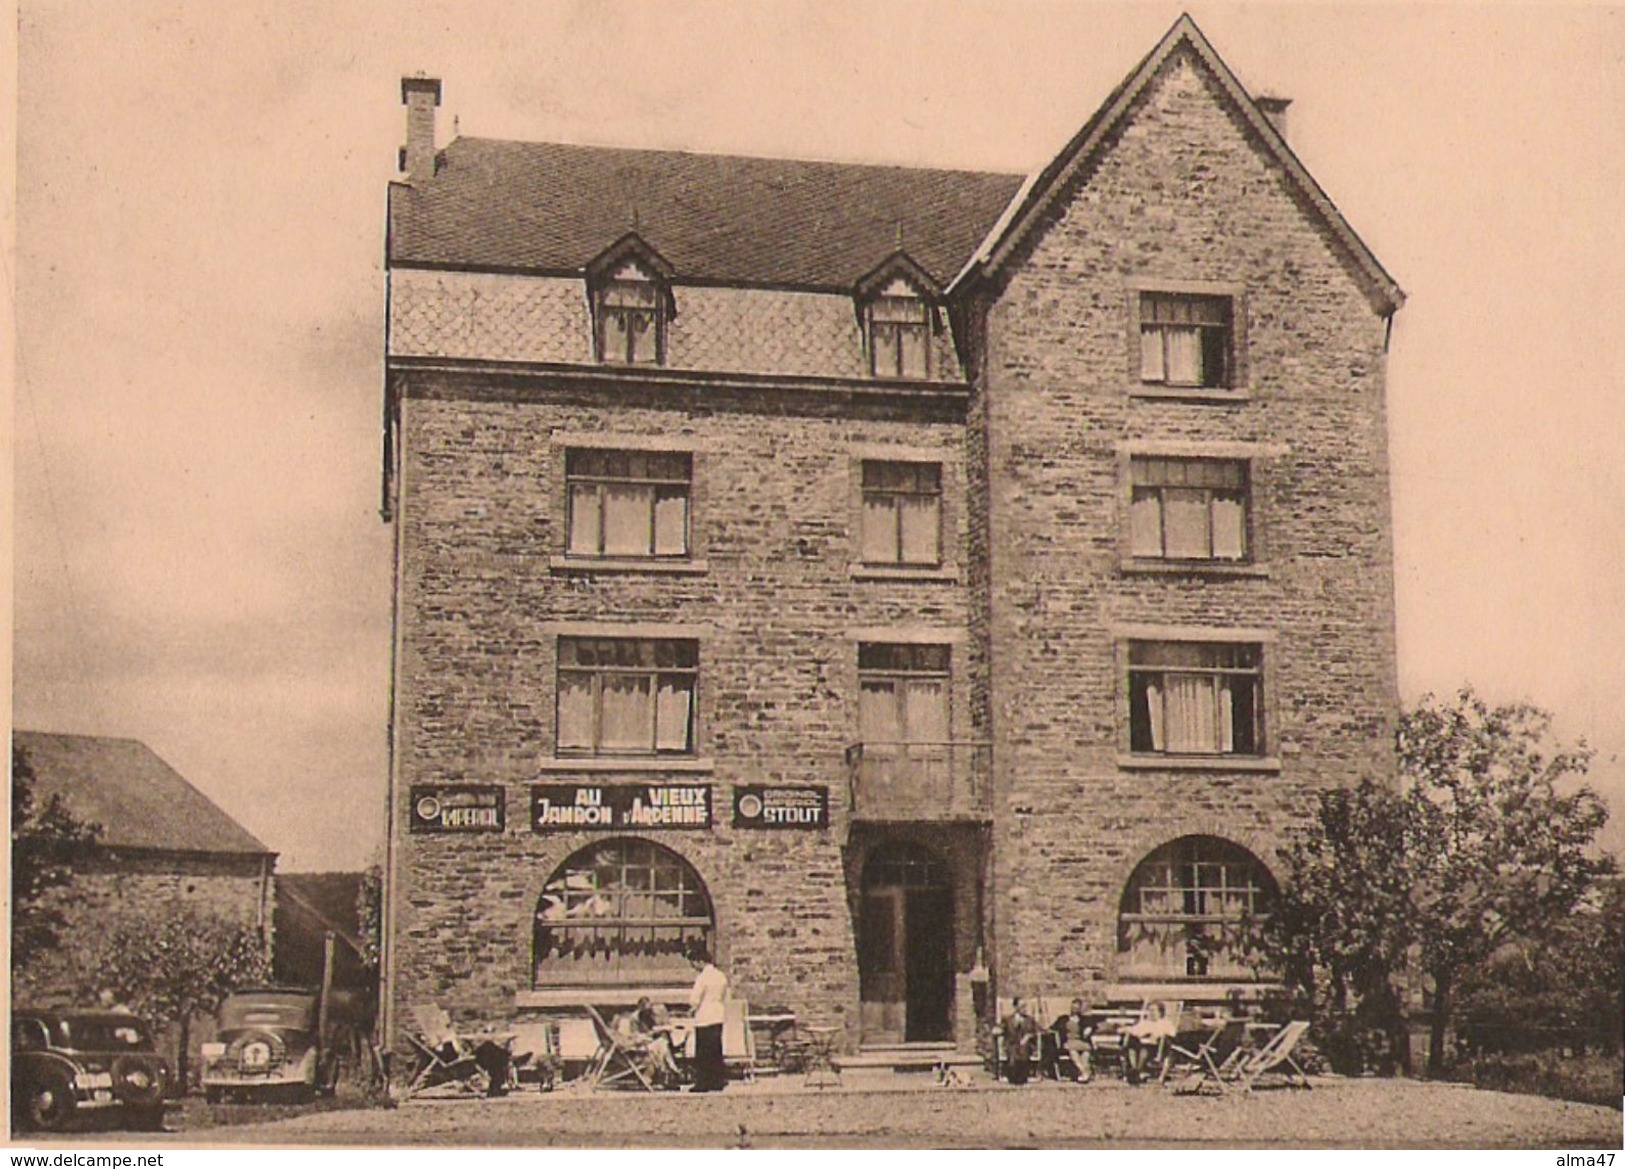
(162, 841)
(917, 585)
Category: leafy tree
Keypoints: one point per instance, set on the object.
(175, 962)
(1496, 850)
(46, 841)
(1338, 934)
(1479, 847)
(369, 903)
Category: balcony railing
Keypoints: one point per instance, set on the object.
(919, 781)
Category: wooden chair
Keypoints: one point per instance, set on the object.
(622, 1060)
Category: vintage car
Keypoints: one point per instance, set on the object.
(68, 1064)
(268, 1045)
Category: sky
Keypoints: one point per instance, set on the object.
(199, 559)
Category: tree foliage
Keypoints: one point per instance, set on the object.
(46, 841)
(1487, 840)
(369, 907)
(174, 962)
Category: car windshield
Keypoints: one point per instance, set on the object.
(103, 1034)
(268, 1010)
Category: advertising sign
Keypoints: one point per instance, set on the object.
(781, 807)
(460, 807)
(577, 807)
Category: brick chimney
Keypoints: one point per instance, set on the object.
(1274, 108)
(421, 95)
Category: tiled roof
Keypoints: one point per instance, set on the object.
(551, 208)
(137, 798)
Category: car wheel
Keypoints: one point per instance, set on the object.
(147, 1119)
(49, 1103)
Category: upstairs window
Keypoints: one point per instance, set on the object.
(1189, 509)
(1195, 698)
(628, 503)
(899, 337)
(904, 694)
(620, 696)
(1186, 341)
(902, 513)
(630, 322)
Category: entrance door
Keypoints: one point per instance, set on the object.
(905, 947)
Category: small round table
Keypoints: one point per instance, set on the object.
(821, 1069)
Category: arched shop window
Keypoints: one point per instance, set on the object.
(1182, 911)
(620, 912)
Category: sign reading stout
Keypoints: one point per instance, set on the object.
(576, 807)
(461, 807)
(781, 807)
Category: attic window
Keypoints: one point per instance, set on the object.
(899, 333)
(630, 311)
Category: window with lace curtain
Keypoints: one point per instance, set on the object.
(631, 326)
(622, 911)
(903, 695)
(628, 503)
(1189, 509)
(899, 337)
(1184, 907)
(1187, 340)
(1195, 698)
(902, 513)
(620, 696)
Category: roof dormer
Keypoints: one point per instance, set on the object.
(899, 310)
(629, 288)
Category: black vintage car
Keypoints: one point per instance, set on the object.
(68, 1064)
(269, 1045)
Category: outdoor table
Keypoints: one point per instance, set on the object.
(821, 1069)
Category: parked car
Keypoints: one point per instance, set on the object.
(268, 1045)
(69, 1063)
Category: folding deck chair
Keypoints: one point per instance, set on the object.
(443, 1057)
(1275, 1058)
(738, 1043)
(622, 1061)
(1193, 1061)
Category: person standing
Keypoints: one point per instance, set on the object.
(705, 1000)
(1021, 1039)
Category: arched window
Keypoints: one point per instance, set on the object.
(622, 911)
(1181, 911)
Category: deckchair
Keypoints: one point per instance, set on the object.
(1193, 1061)
(1275, 1059)
(442, 1056)
(622, 1060)
(738, 1044)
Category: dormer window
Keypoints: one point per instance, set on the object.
(899, 337)
(631, 303)
(629, 322)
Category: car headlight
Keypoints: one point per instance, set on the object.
(213, 1050)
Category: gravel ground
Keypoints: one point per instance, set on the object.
(1337, 1113)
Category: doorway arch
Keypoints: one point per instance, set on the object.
(905, 934)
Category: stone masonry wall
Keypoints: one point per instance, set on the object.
(482, 590)
(1183, 194)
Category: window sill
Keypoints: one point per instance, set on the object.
(629, 565)
(629, 765)
(1218, 568)
(611, 995)
(1190, 394)
(1259, 763)
(945, 573)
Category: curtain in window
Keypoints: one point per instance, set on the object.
(878, 714)
(1151, 366)
(1226, 728)
(920, 530)
(1188, 714)
(575, 711)
(671, 523)
(911, 346)
(879, 535)
(627, 714)
(927, 713)
(1156, 723)
(673, 715)
(641, 326)
(626, 520)
(1185, 519)
(584, 521)
(1145, 524)
(615, 341)
(1229, 528)
(1184, 355)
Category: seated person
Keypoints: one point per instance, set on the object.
(1021, 1042)
(1073, 1032)
(649, 1028)
(1145, 1036)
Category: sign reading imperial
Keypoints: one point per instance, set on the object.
(781, 807)
(463, 807)
(572, 807)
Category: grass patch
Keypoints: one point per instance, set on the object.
(1597, 1078)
